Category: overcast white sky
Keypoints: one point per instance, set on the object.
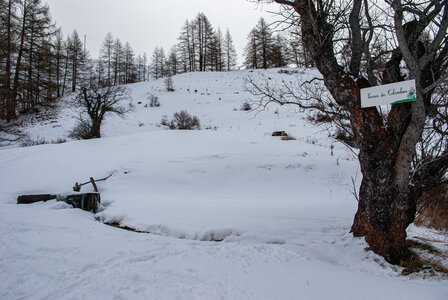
(146, 24)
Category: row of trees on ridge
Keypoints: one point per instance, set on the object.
(38, 65)
(200, 48)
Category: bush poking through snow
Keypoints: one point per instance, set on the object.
(169, 85)
(165, 121)
(28, 142)
(184, 121)
(153, 100)
(246, 106)
(81, 131)
(433, 208)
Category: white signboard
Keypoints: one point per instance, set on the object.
(389, 94)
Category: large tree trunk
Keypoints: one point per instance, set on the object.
(96, 128)
(12, 103)
(381, 218)
(378, 219)
(383, 210)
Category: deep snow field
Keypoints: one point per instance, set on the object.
(230, 211)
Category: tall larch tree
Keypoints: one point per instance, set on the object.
(172, 62)
(76, 58)
(251, 51)
(26, 55)
(158, 63)
(106, 55)
(117, 61)
(205, 39)
(229, 52)
(187, 47)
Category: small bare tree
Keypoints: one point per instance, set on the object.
(184, 121)
(97, 102)
(169, 85)
(153, 100)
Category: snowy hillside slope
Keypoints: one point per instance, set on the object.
(281, 210)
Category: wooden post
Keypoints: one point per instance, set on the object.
(94, 184)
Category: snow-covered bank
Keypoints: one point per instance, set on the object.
(55, 253)
(282, 208)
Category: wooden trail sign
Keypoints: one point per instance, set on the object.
(393, 93)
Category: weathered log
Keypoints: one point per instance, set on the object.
(28, 199)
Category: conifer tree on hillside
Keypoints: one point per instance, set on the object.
(59, 61)
(38, 65)
(172, 62)
(251, 53)
(263, 50)
(296, 52)
(106, 53)
(119, 64)
(278, 57)
(129, 69)
(265, 42)
(202, 48)
(26, 56)
(216, 52)
(205, 41)
(229, 52)
(158, 63)
(117, 61)
(140, 67)
(187, 47)
(145, 67)
(77, 59)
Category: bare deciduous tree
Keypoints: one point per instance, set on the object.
(184, 121)
(339, 36)
(169, 85)
(97, 103)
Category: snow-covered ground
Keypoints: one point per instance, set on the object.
(281, 210)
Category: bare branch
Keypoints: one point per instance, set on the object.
(356, 44)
